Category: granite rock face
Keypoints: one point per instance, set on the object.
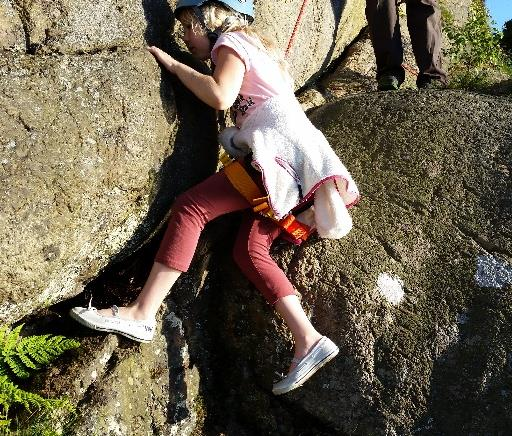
(324, 30)
(95, 143)
(88, 125)
(418, 296)
(91, 149)
(12, 36)
(87, 26)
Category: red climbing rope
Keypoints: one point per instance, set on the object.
(411, 70)
(292, 37)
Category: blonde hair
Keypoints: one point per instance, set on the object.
(218, 16)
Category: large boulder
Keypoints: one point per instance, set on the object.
(92, 155)
(121, 387)
(318, 31)
(320, 35)
(418, 296)
(12, 36)
(87, 26)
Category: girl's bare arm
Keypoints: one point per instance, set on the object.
(218, 91)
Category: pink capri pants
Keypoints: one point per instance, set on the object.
(214, 197)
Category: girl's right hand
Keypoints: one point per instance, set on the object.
(164, 58)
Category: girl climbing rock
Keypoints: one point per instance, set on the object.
(285, 177)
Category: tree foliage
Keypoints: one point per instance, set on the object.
(506, 39)
(475, 49)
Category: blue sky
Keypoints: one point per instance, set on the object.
(501, 11)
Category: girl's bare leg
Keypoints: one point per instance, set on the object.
(157, 286)
(304, 334)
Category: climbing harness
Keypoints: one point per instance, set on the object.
(243, 183)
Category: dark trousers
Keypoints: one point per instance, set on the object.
(424, 24)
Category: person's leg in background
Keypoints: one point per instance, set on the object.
(424, 24)
(384, 27)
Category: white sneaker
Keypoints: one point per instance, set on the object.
(142, 331)
(320, 354)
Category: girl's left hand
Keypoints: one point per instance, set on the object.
(164, 58)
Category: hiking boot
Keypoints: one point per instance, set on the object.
(427, 82)
(388, 82)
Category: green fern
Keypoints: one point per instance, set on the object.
(11, 394)
(22, 355)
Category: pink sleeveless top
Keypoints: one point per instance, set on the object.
(263, 76)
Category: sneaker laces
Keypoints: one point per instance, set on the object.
(281, 376)
(89, 307)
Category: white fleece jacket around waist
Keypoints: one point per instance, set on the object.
(295, 160)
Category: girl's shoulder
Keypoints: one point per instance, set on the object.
(240, 42)
(241, 37)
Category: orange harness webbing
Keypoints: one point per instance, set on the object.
(244, 184)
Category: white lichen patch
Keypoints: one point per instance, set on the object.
(492, 272)
(94, 374)
(114, 427)
(104, 359)
(6, 311)
(390, 287)
(175, 322)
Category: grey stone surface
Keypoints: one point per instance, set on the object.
(86, 26)
(434, 172)
(94, 145)
(12, 36)
(82, 142)
(88, 125)
(324, 31)
(149, 389)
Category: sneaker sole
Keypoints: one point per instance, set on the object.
(309, 374)
(93, 326)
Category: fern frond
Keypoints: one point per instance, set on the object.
(21, 355)
(11, 394)
(11, 339)
(45, 348)
(27, 361)
(16, 366)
